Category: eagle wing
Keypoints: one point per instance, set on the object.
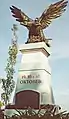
(20, 16)
(54, 11)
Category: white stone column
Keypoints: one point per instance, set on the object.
(35, 72)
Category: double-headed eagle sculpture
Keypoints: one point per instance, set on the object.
(36, 26)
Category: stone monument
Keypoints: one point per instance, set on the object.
(33, 88)
(34, 82)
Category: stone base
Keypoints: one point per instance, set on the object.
(33, 87)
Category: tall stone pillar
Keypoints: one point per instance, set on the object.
(34, 80)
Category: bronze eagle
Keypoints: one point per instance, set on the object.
(36, 26)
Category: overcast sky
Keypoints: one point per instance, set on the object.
(58, 31)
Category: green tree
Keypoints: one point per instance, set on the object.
(1, 104)
(8, 84)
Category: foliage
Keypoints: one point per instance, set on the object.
(49, 112)
(8, 84)
(1, 104)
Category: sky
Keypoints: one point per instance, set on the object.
(58, 31)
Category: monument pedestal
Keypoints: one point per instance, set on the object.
(33, 87)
